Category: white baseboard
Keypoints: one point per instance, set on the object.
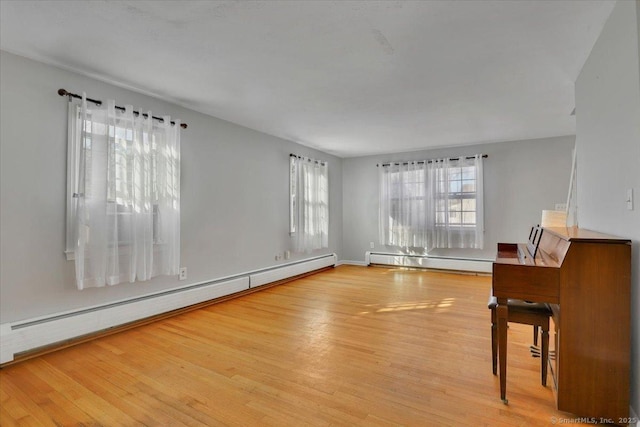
(350, 262)
(425, 261)
(25, 335)
(285, 271)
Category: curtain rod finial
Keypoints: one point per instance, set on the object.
(62, 92)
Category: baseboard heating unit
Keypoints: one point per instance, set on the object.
(425, 261)
(26, 335)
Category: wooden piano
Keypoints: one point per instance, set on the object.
(586, 279)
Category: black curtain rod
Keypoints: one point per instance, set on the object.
(63, 92)
(484, 156)
(308, 159)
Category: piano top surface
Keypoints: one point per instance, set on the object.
(553, 246)
(573, 234)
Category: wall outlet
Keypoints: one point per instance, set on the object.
(287, 254)
(278, 257)
(630, 199)
(182, 275)
(372, 245)
(561, 206)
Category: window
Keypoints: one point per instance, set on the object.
(432, 204)
(456, 197)
(123, 201)
(457, 203)
(403, 207)
(308, 203)
(81, 131)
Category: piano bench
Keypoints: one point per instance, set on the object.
(527, 313)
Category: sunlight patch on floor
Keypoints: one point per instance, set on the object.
(439, 305)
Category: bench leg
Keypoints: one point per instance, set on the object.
(545, 355)
(502, 312)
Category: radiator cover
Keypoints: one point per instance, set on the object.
(30, 334)
(420, 261)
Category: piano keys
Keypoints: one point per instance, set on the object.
(585, 276)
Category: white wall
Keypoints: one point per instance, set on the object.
(234, 191)
(520, 180)
(608, 143)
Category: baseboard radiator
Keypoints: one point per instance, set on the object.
(26, 335)
(425, 261)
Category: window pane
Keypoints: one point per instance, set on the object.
(469, 204)
(455, 173)
(469, 218)
(454, 218)
(469, 186)
(469, 172)
(120, 133)
(455, 204)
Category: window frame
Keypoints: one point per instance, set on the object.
(319, 205)
(447, 196)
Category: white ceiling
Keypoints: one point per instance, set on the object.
(350, 78)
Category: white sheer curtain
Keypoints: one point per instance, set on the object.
(402, 209)
(455, 203)
(310, 209)
(128, 197)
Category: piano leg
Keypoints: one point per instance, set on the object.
(494, 342)
(502, 312)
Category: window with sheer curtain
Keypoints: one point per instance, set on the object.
(308, 203)
(123, 205)
(403, 207)
(432, 204)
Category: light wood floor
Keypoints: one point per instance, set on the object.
(349, 346)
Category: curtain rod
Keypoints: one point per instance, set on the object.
(311, 160)
(484, 156)
(63, 92)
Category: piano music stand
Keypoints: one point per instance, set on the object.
(534, 240)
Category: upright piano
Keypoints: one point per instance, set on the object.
(585, 277)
